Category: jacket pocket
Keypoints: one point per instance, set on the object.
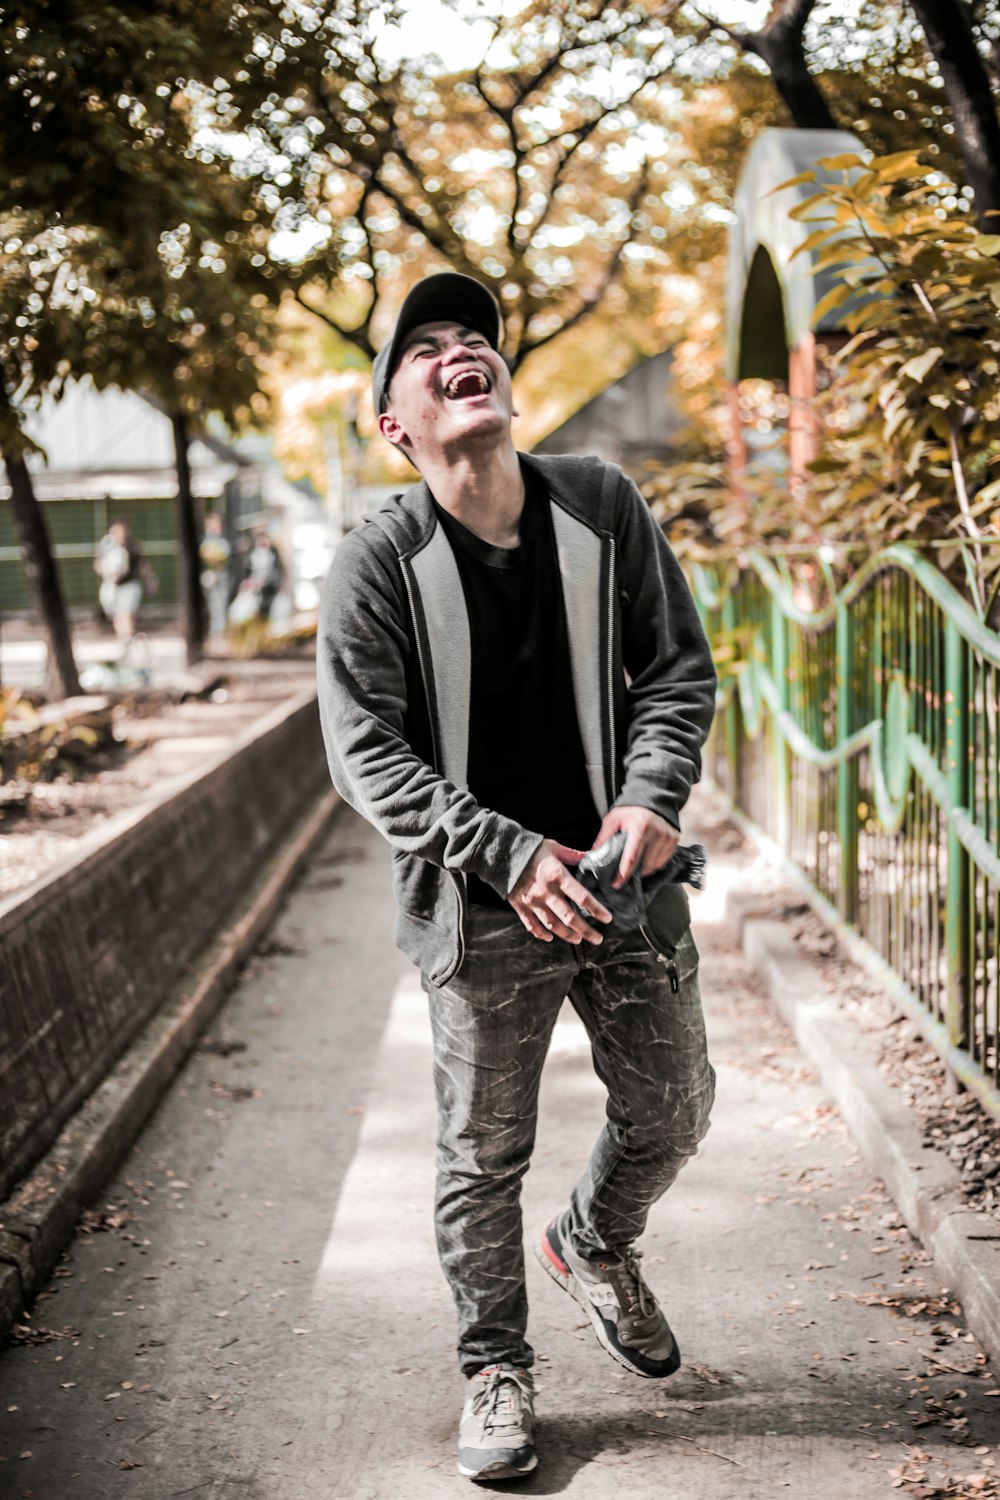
(416, 885)
(668, 918)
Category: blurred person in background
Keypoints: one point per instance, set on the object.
(263, 571)
(124, 571)
(215, 555)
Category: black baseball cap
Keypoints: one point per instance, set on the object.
(448, 295)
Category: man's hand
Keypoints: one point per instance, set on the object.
(542, 897)
(649, 840)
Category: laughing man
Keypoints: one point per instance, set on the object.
(511, 669)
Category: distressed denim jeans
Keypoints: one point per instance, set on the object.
(492, 1024)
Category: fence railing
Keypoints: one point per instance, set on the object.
(859, 728)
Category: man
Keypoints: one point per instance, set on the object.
(511, 669)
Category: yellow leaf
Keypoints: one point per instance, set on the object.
(920, 365)
(835, 297)
(899, 164)
(793, 182)
(801, 210)
(840, 163)
(811, 242)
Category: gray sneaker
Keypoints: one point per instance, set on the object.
(496, 1438)
(626, 1316)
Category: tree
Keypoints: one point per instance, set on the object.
(536, 171)
(780, 46)
(104, 179)
(950, 46)
(948, 28)
(910, 424)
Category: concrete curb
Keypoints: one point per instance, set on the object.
(38, 1219)
(924, 1184)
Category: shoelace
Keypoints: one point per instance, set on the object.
(628, 1280)
(496, 1402)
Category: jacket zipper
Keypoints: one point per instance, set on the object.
(666, 959)
(609, 655)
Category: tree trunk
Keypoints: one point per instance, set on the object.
(188, 568)
(44, 587)
(779, 45)
(947, 29)
(783, 53)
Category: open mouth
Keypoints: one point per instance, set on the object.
(465, 384)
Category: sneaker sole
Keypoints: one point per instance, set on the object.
(564, 1277)
(498, 1471)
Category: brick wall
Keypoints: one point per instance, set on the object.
(89, 952)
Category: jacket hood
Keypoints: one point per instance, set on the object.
(408, 518)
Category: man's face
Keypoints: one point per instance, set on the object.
(449, 391)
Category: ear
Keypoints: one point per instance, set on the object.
(391, 429)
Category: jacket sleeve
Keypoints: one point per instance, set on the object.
(361, 655)
(671, 688)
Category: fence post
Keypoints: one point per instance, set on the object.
(779, 673)
(847, 801)
(731, 725)
(956, 758)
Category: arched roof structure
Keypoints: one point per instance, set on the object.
(771, 298)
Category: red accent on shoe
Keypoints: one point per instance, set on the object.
(559, 1264)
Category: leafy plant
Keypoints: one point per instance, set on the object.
(37, 751)
(910, 423)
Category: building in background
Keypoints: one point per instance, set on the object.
(631, 423)
(110, 453)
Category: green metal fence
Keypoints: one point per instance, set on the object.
(859, 728)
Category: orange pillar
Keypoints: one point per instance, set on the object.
(736, 449)
(802, 427)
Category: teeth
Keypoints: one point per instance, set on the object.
(453, 384)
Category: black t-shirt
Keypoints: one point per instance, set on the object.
(526, 757)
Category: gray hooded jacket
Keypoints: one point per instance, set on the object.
(394, 671)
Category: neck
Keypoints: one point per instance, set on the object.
(484, 491)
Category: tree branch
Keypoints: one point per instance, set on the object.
(593, 298)
(583, 133)
(356, 336)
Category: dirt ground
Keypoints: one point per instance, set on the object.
(158, 732)
(254, 1305)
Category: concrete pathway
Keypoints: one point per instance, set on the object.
(255, 1308)
(23, 660)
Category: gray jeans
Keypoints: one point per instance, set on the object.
(492, 1024)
